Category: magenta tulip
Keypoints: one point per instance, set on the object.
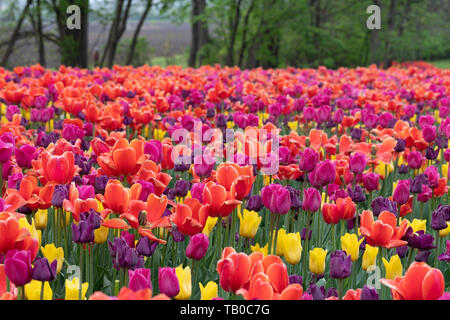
(18, 267)
(276, 198)
(401, 192)
(197, 247)
(139, 279)
(168, 281)
(357, 162)
(311, 200)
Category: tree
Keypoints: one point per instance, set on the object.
(148, 5)
(199, 29)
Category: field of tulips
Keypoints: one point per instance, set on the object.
(219, 183)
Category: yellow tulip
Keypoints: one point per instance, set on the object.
(33, 290)
(350, 244)
(209, 225)
(36, 234)
(444, 232)
(292, 248)
(249, 223)
(230, 124)
(293, 125)
(317, 258)
(41, 217)
(393, 267)
(73, 289)
(418, 225)
(280, 241)
(184, 278)
(380, 169)
(101, 234)
(264, 250)
(369, 257)
(100, 207)
(52, 253)
(210, 291)
(444, 170)
(266, 180)
(158, 134)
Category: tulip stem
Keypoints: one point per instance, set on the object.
(42, 290)
(333, 231)
(340, 288)
(272, 220)
(276, 234)
(81, 271)
(305, 262)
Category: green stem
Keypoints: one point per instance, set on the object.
(306, 249)
(340, 288)
(276, 234)
(42, 290)
(81, 270)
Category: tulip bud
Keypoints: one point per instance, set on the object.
(73, 289)
(317, 258)
(292, 248)
(350, 244)
(393, 267)
(18, 267)
(369, 257)
(208, 292)
(197, 247)
(145, 247)
(401, 192)
(340, 265)
(168, 282)
(139, 279)
(368, 293)
(43, 271)
(357, 162)
(414, 160)
(311, 200)
(185, 284)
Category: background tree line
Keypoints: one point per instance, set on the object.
(244, 33)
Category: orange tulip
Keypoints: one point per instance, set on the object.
(384, 231)
(117, 197)
(237, 180)
(346, 208)
(14, 237)
(190, 217)
(29, 194)
(123, 159)
(216, 196)
(56, 169)
(420, 282)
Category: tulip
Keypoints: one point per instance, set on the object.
(292, 247)
(421, 282)
(43, 271)
(445, 232)
(368, 293)
(73, 289)
(33, 290)
(311, 200)
(83, 232)
(324, 173)
(371, 181)
(401, 192)
(209, 225)
(346, 208)
(308, 160)
(276, 198)
(254, 203)
(357, 163)
(58, 169)
(208, 292)
(60, 193)
(145, 247)
(340, 265)
(181, 188)
(429, 133)
(168, 282)
(414, 160)
(384, 231)
(7, 142)
(330, 213)
(203, 166)
(139, 279)
(317, 258)
(197, 247)
(18, 267)
(393, 267)
(369, 257)
(350, 244)
(40, 218)
(264, 250)
(249, 223)
(234, 270)
(184, 278)
(154, 149)
(24, 155)
(53, 254)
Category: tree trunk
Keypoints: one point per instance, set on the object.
(391, 27)
(234, 23)
(118, 31)
(15, 33)
(137, 31)
(244, 35)
(375, 40)
(40, 35)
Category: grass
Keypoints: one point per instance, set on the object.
(442, 64)
(177, 59)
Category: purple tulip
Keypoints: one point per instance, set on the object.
(86, 192)
(429, 133)
(370, 181)
(432, 175)
(357, 162)
(72, 132)
(368, 293)
(154, 149)
(145, 247)
(197, 191)
(60, 193)
(440, 216)
(254, 203)
(294, 278)
(128, 238)
(311, 200)
(11, 111)
(83, 232)
(181, 188)
(340, 265)
(446, 255)
(147, 189)
(168, 281)
(276, 198)
(203, 165)
(139, 279)
(308, 160)
(317, 293)
(43, 271)
(24, 155)
(357, 194)
(414, 160)
(6, 147)
(18, 267)
(401, 192)
(197, 247)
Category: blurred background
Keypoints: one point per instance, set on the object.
(244, 33)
